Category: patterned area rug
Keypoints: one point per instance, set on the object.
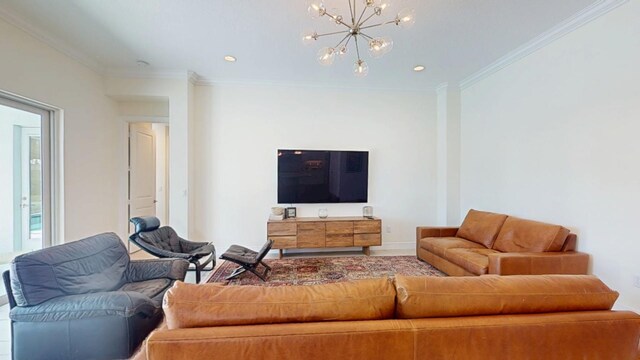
(313, 271)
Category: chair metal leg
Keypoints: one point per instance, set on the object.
(236, 272)
(253, 269)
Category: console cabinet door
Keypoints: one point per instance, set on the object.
(311, 235)
(339, 234)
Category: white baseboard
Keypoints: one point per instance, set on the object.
(408, 245)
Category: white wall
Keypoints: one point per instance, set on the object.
(554, 137)
(148, 108)
(239, 128)
(34, 70)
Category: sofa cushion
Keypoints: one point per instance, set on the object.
(73, 307)
(439, 246)
(94, 264)
(190, 305)
(481, 227)
(429, 296)
(473, 260)
(151, 288)
(520, 235)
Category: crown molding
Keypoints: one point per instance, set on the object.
(571, 24)
(203, 81)
(441, 88)
(194, 78)
(136, 73)
(52, 41)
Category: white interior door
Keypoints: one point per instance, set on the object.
(142, 171)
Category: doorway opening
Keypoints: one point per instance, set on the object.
(147, 159)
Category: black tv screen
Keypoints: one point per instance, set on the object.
(317, 176)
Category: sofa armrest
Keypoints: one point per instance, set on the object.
(141, 270)
(566, 262)
(434, 231)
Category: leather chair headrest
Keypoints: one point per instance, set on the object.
(145, 223)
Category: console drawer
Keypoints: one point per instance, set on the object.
(339, 240)
(367, 227)
(283, 242)
(281, 228)
(367, 239)
(340, 227)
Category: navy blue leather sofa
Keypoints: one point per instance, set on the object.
(86, 299)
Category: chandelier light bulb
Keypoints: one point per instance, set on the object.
(372, 3)
(360, 69)
(384, 5)
(334, 16)
(326, 56)
(378, 47)
(342, 51)
(316, 9)
(309, 36)
(406, 18)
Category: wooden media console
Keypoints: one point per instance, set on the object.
(332, 232)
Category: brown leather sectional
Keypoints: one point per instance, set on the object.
(490, 243)
(489, 317)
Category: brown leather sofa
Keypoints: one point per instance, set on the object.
(489, 317)
(490, 243)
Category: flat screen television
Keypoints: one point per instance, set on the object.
(322, 176)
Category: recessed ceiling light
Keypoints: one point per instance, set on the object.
(142, 63)
(418, 68)
(230, 58)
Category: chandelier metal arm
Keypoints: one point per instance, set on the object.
(353, 17)
(366, 36)
(335, 18)
(381, 24)
(357, 47)
(334, 33)
(367, 19)
(361, 15)
(341, 41)
(348, 41)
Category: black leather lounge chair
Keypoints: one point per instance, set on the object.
(248, 260)
(85, 299)
(164, 242)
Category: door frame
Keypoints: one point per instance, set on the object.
(51, 162)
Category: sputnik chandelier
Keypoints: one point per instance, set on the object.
(356, 23)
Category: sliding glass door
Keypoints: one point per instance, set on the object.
(25, 180)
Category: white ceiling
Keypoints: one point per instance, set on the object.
(452, 38)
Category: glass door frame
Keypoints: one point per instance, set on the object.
(47, 115)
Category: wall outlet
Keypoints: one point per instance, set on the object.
(388, 229)
(636, 281)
